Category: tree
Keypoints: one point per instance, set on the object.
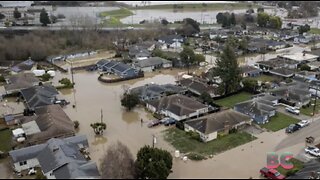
(164, 22)
(16, 13)
(66, 82)
(263, 19)
(260, 10)
(2, 79)
(187, 57)
(98, 127)
(189, 27)
(153, 163)
(118, 163)
(2, 16)
(305, 67)
(206, 98)
(250, 84)
(228, 70)
(76, 124)
(233, 19)
(275, 22)
(199, 58)
(46, 77)
(303, 29)
(130, 101)
(44, 18)
(220, 17)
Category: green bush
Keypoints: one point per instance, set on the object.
(194, 135)
(46, 77)
(292, 172)
(196, 157)
(233, 130)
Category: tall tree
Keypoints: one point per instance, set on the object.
(129, 101)
(233, 19)
(187, 56)
(44, 18)
(260, 9)
(16, 13)
(263, 19)
(118, 163)
(228, 70)
(2, 16)
(220, 17)
(153, 163)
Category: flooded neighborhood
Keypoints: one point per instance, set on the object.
(159, 90)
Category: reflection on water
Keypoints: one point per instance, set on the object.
(99, 140)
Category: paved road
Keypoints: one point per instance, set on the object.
(299, 136)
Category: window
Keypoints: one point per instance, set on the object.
(23, 163)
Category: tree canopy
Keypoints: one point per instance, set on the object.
(265, 20)
(228, 70)
(129, 101)
(16, 13)
(303, 29)
(44, 18)
(250, 84)
(153, 163)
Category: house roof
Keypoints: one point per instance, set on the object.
(21, 81)
(255, 106)
(178, 104)
(62, 156)
(198, 85)
(297, 92)
(315, 52)
(217, 121)
(277, 62)
(153, 61)
(171, 38)
(308, 168)
(52, 122)
(284, 72)
(299, 57)
(23, 66)
(135, 50)
(39, 95)
(248, 69)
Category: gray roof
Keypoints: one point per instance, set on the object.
(296, 92)
(23, 66)
(248, 69)
(153, 61)
(62, 156)
(38, 96)
(308, 168)
(282, 72)
(217, 121)
(277, 62)
(177, 104)
(21, 81)
(171, 38)
(255, 106)
(198, 85)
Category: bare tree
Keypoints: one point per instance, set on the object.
(118, 163)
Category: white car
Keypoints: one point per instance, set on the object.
(293, 110)
(313, 151)
(130, 27)
(304, 123)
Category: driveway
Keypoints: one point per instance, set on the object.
(282, 109)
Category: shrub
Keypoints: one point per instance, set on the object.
(196, 157)
(2, 79)
(45, 77)
(194, 135)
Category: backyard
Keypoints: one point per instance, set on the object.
(234, 99)
(5, 140)
(279, 121)
(186, 144)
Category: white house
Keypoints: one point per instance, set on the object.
(221, 122)
(178, 107)
(150, 64)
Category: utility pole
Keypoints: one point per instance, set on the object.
(315, 101)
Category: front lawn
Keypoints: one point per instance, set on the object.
(279, 121)
(5, 140)
(309, 110)
(181, 141)
(297, 165)
(314, 31)
(266, 78)
(234, 99)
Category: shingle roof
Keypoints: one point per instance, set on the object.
(255, 106)
(217, 121)
(21, 81)
(153, 61)
(23, 66)
(197, 85)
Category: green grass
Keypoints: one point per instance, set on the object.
(265, 78)
(314, 31)
(115, 16)
(5, 140)
(234, 99)
(297, 166)
(279, 121)
(199, 7)
(308, 111)
(185, 144)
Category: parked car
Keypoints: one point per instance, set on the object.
(293, 128)
(32, 171)
(153, 123)
(304, 123)
(293, 110)
(271, 173)
(312, 151)
(169, 122)
(162, 121)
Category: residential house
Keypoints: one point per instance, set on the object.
(314, 66)
(250, 71)
(302, 39)
(307, 75)
(38, 96)
(8, 64)
(155, 91)
(139, 52)
(276, 63)
(274, 45)
(211, 125)
(283, 72)
(58, 159)
(49, 122)
(259, 110)
(310, 170)
(151, 64)
(172, 41)
(198, 86)
(257, 45)
(300, 57)
(27, 65)
(293, 95)
(178, 107)
(118, 68)
(315, 52)
(20, 81)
